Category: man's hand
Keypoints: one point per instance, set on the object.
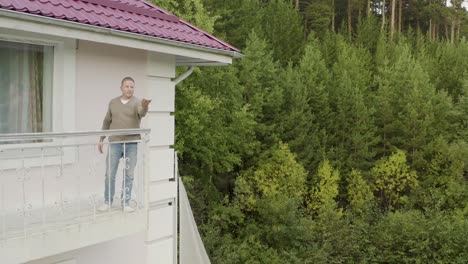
(100, 147)
(101, 144)
(145, 103)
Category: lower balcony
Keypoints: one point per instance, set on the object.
(52, 191)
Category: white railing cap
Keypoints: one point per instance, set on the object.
(113, 132)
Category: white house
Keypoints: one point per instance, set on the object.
(61, 61)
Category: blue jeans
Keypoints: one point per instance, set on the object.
(116, 151)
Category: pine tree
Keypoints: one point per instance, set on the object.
(412, 114)
(237, 19)
(318, 16)
(306, 112)
(258, 75)
(283, 29)
(460, 117)
(353, 130)
(447, 67)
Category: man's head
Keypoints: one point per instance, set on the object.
(127, 87)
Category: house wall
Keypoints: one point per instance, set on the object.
(99, 70)
(86, 76)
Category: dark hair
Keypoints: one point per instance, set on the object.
(127, 79)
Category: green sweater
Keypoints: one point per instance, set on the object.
(124, 116)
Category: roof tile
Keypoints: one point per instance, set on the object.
(129, 16)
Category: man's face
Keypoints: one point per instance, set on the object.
(127, 89)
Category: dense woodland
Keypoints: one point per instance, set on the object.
(340, 137)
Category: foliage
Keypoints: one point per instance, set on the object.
(283, 28)
(359, 192)
(335, 139)
(393, 179)
(324, 194)
(276, 173)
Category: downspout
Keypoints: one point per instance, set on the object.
(182, 77)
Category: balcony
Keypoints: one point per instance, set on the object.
(52, 185)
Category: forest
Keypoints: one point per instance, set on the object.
(341, 136)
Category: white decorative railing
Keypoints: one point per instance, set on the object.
(56, 181)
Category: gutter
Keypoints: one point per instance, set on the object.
(85, 27)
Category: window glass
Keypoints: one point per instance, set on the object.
(25, 87)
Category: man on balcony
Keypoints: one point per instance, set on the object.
(124, 112)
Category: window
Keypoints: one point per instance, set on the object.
(25, 87)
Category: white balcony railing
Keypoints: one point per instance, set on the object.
(52, 182)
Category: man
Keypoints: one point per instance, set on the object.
(124, 112)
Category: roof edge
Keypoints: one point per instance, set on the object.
(76, 25)
(209, 35)
(192, 26)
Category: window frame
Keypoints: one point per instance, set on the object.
(48, 94)
(62, 90)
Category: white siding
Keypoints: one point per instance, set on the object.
(162, 129)
(161, 91)
(162, 223)
(160, 252)
(161, 164)
(163, 190)
(161, 236)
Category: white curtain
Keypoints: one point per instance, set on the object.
(192, 250)
(21, 86)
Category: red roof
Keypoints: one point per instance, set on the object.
(135, 16)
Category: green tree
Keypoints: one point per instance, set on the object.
(353, 99)
(201, 107)
(447, 67)
(393, 179)
(368, 34)
(444, 186)
(359, 192)
(412, 113)
(282, 27)
(353, 130)
(280, 225)
(323, 195)
(258, 75)
(331, 233)
(318, 16)
(402, 237)
(276, 173)
(460, 116)
(315, 77)
(237, 19)
(305, 114)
